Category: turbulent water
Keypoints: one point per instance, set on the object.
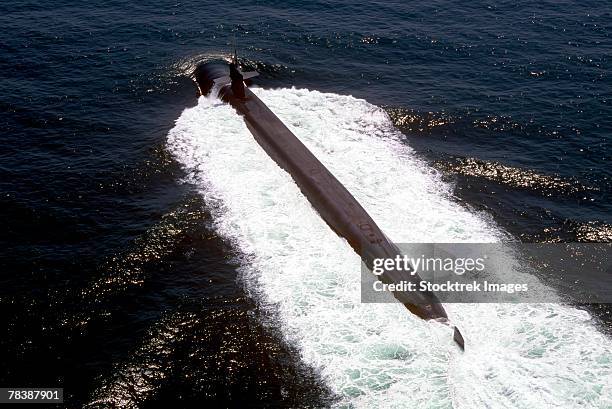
(377, 355)
(153, 255)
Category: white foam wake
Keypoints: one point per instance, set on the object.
(375, 355)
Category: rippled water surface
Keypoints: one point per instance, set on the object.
(151, 254)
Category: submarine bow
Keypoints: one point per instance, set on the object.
(334, 203)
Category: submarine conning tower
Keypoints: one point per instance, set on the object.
(332, 201)
(225, 79)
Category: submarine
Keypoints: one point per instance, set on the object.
(333, 202)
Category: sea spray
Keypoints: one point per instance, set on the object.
(377, 355)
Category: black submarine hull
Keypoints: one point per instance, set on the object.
(334, 203)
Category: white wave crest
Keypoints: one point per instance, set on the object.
(378, 355)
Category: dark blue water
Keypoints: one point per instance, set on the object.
(109, 264)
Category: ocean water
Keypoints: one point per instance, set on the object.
(153, 254)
